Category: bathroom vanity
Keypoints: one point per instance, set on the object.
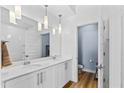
(47, 74)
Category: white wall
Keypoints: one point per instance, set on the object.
(115, 52)
(68, 44)
(55, 44)
(122, 46)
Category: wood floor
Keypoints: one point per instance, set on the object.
(85, 80)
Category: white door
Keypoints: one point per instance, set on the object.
(106, 54)
(100, 53)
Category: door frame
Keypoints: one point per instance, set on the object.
(100, 59)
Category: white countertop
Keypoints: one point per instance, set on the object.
(16, 71)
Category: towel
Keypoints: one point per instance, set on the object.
(5, 55)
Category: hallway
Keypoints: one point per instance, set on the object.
(86, 80)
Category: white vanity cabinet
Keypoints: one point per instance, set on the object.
(55, 76)
(58, 75)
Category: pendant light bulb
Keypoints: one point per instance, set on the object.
(46, 18)
(39, 26)
(60, 26)
(18, 12)
(12, 17)
(45, 22)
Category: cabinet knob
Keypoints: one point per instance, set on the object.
(66, 65)
(41, 77)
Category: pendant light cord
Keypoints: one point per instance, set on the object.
(46, 10)
(60, 18)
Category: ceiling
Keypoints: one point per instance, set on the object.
(36, 12)
(65, 10)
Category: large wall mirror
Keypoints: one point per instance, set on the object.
(25, 41)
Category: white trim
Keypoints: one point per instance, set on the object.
(100, 52)
(88, 22)
(88, 70)
(98, 20)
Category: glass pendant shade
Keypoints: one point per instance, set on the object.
(12, 17)
(45, 22)
(18, 12)
(60, 28)
(46, 18)
(39, 26)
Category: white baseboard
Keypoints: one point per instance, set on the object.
(88, 70)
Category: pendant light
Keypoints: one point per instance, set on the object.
(12, 17)
(46, 18)
(39, 26)
(60, 26)
(18, 12)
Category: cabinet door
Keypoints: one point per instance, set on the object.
(49, 78)
(68, 69)
(59, 75)
(62, 74)
(26, 81)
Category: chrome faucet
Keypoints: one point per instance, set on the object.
(26, 62)
(54, 57)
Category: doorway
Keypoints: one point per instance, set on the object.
(93, 53)
(88, 52)
(45, 45)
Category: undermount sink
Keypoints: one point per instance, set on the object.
(32, 66)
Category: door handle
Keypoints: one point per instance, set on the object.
(100, 67)
(38, 79)
(66, 66)
(41, 77)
